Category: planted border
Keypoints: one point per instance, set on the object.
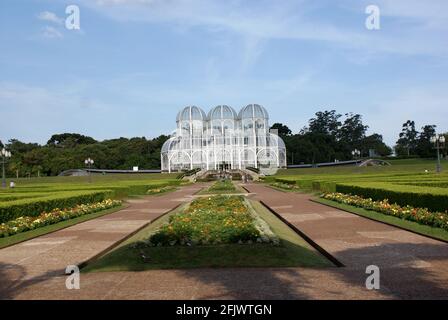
(27, 201)
(27, 223)
(212, 220)
(34, 207)
(419, 215)
(435, 199)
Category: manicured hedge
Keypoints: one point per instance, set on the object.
(35, 199)
(317, 185)
(435, 199)
(419, 215)
(33, 207)
(418, 190)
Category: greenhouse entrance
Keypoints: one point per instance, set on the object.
(224, 166)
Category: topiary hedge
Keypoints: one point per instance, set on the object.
(17, 203)
(421, 197)
(33, 207)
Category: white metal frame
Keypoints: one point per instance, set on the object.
(222, 137)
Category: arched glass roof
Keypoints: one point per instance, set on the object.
(222, 112)
(166, 145)
(253, 111)
(191, 113)
(275, 140)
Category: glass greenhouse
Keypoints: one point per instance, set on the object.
(223, 139)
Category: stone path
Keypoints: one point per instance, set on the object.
(48, 255)
(412, 266)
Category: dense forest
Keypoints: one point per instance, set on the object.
(329, 136)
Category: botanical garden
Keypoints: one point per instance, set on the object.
(215, 208)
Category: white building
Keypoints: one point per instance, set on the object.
(223, 139)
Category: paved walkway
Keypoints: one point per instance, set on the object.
(48, 255)
(411, 266)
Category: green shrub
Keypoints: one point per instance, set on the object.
(31, 200)
(33, 207)
(419, 215)
(26, 223)
(433, 199)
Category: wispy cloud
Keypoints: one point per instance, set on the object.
(50, 17)
(300, 20)
(51, 33)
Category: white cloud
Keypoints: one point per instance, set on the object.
(299, 20)
(50, 17)
(51, 33)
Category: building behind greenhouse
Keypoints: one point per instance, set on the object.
(223, 139)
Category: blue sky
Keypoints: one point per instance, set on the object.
(135, 63)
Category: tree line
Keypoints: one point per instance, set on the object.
(331, 136)
(69, 150)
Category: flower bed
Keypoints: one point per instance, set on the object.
(224, 185)
(26, 223)
(286, 186)
(160, 190)
(419, 215)
(211, 220)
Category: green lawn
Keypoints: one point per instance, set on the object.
(293, 251)
(27, 235)
(223, 187)
(33, 196)
(437, 233)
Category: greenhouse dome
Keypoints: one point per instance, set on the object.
(222, 112)
(191, 113)
(222, 139)
(253, 111)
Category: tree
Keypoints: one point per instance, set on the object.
(326, 122)
(375, 142)
(282, 129)
(351, 133)
(69, 140)
(407, 141)
(424, 147)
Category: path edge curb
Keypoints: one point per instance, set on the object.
(383, 222)
(321, 250)
(85, 263)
